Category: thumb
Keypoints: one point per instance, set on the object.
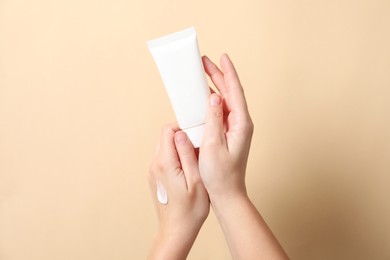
(188, 160)
(214, 131)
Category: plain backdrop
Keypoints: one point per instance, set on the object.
(82, 105)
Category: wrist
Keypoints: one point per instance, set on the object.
(173, 243)
(226, 187)
(228, 201)
(179, 233)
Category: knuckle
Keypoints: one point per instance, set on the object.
(218, 113)
(184, 151)
(212, 143)
(157, 168)
(165, 129)
(197, 181)
(248, 127)
(160, 168)
(169, 128)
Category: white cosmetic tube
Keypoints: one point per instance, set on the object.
(180, 65)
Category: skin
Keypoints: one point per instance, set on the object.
(216, 178)
(175, 167)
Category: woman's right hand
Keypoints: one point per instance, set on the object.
(228, 132)
(223, 157)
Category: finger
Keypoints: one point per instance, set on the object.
(235, 99)
(188, 160)
(214, 73)
(167, 151)
(214, 131)
(167, 155)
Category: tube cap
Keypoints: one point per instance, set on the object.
(195, 134)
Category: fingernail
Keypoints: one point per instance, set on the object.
(215, 100)
(180, 137)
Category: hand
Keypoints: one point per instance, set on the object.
(175, 170)
(223, 158)
(228, 132)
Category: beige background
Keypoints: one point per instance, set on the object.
(82, 104)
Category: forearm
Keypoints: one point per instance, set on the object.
(247, 234)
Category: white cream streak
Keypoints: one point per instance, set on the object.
(162, 195)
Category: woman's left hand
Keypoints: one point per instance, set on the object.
(183, 204)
